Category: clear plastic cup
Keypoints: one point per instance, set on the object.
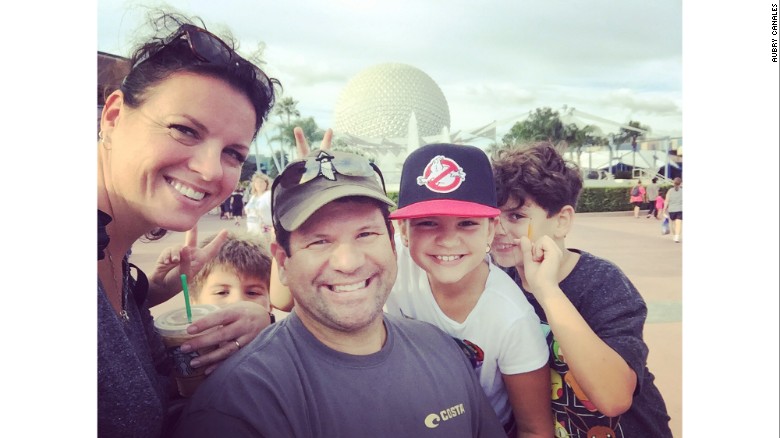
(172, 327)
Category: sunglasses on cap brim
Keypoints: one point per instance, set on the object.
(327, 165)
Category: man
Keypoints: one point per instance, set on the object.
(651, 195)
(337, 366)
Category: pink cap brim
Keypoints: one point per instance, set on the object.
(444, 207)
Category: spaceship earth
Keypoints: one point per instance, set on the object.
(378, 102)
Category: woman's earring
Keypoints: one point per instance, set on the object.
(102, 140)
(487, 250)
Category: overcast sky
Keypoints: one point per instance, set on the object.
(617, 59)
(494, 60)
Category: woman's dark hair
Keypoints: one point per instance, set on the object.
(538, 172)
(163, 55)
(158, 58)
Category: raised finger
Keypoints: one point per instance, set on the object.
(185, 263)
(326, 140)
(526, 247)
(191, 237)
(210, 250)
(300, 142)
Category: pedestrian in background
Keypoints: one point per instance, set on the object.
(258, 208)
(224, 209)
(673, 207)
(637, 197)
(652, 194)
(237, 205)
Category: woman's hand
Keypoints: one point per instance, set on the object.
(237, 324)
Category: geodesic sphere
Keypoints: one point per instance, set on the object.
(378, 102)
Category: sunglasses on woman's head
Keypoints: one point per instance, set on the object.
(206, 47)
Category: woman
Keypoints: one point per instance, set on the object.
(637, 197)
(237, 205)
(258, 208)
(224, 209)
(172, 141)
(673, 207)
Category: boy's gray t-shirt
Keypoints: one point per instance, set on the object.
(613, 308)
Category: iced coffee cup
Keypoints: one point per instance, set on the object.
(172, 327)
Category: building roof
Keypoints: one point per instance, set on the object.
(111, 70)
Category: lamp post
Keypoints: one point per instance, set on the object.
(666, 168)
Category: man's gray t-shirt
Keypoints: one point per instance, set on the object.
(287, 383)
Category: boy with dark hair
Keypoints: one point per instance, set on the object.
(592, 314)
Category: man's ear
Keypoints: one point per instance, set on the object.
(564, 221)
(280, 260)
(279, 294)
(392, 236)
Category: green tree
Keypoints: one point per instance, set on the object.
(588, 135)
(286, 109)
(248, 169)
(277, 157)
(339, 144)
(311, 131)
(544, 124)
(493, 149)
(626, 135)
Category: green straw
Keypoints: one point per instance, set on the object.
(186, 297)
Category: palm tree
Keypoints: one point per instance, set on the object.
(286, 109)
(589, 135)
(310, 130)
(632, 134)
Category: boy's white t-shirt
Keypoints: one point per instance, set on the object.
(502, 324)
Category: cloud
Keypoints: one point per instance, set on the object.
(493, 60)
(642, 104)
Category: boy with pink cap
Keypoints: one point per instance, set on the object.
(446, 221)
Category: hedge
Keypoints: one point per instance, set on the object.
(595, 199)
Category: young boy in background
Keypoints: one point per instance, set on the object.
(446, 219)
(240, 271)
(592, 313)
(659, 205)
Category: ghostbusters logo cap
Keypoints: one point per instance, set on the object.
(446, 180)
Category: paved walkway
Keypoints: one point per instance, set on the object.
(652, 261)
